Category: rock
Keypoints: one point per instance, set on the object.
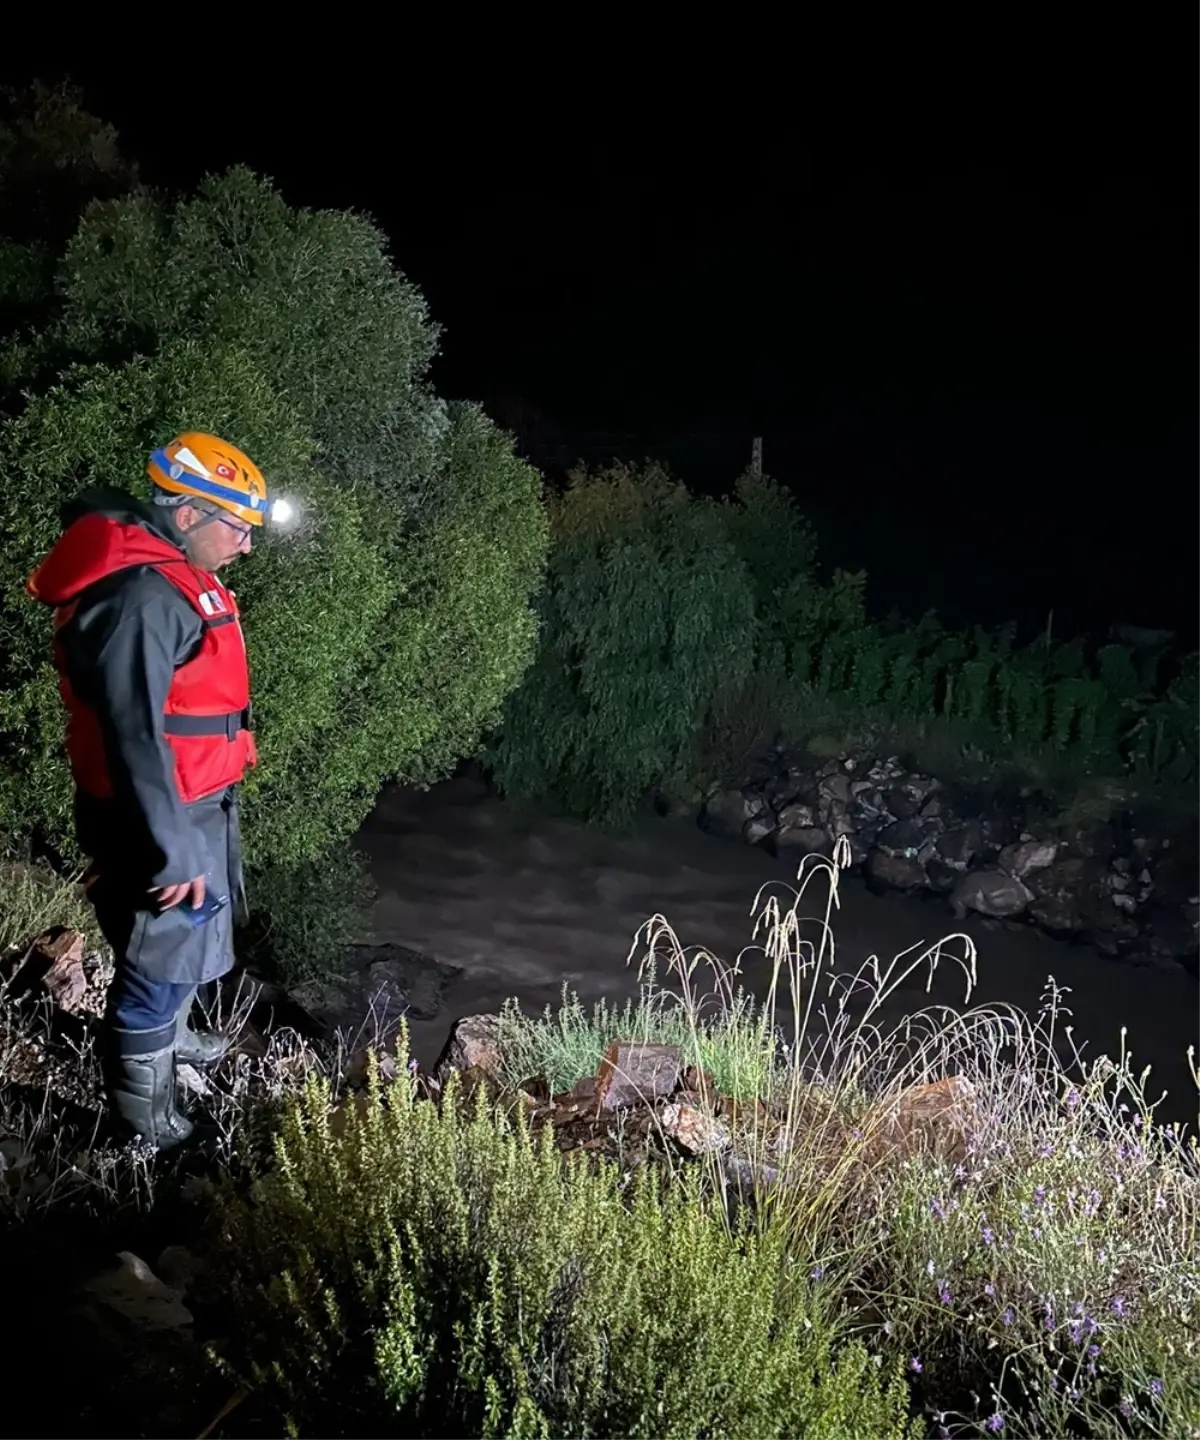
(378, 986)
(56, 960)
(693, 1130)
(726, 813)
(942, 877)
(900, 803)
(835, 788)
(904, 837)
(990, 892)
(134, 1291)
(938, 1117)
(958, 847)
(1023, 859)
(899, 872)
(1057, 913)
(814, 841)
(1070, 876)
(634, 1073)
(798, 817)
(474, 1044)
(357, 1069)
(757, 830)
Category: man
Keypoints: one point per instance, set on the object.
(152, 669)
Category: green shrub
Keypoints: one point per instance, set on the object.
(647, 612)
(303, 918)
(385, 634)
(34, 899)
(410, 1270)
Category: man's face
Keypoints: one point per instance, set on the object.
(212, 541)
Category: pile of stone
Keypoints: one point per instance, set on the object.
(1001, 852)
(646, 1102)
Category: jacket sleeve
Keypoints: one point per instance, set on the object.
(124, 646)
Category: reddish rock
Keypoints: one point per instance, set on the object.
(693, 1130)
(637, 1074)
(938, 1117)
(57, 959)
(474, 1044)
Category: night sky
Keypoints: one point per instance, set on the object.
(964, 327)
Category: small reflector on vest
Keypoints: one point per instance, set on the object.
(211, 603)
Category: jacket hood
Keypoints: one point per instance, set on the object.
(105, 532)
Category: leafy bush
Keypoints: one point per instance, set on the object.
(482, 1284)
(55, 159)
(303, 918)
(33, 899)
(385, 634)
(647, 611)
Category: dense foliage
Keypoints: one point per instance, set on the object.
(385, 633)
(483, 1284)
(648, 615)
(678, 633)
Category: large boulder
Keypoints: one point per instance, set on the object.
(991, 893)
(1026, 856)
(474, 1044)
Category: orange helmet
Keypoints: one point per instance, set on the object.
(211, 469)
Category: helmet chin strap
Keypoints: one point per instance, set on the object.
(172, 503)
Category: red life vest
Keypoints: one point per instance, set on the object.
(206, 718)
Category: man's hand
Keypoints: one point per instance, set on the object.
(171, 895)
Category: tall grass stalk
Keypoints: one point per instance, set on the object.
(1040, 1250)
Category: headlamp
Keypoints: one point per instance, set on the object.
(282, 512)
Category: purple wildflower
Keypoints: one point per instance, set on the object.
(944, 1293)
(1093, 1351)
(1075, 1330)
(1045, 1150)
(1125, 1408)
(1039, 1195)
(1036, 1232)
(1008, 1317)
(1072, 1099)
(988, 1235)
(989, 1289)
(817, 1272)
(915, 1365)
(1093, 1203)
(1117, 1306)
(938, 1209)
(995, 1423)
(1156, 1387)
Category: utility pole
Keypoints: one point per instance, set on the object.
(756, 456)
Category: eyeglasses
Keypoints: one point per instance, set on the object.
(243, 532)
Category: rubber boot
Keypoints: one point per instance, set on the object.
(142, 1095)
(194, 1048)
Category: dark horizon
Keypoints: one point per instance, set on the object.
(968, 347)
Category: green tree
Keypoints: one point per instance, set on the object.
(648, 611)
(385, 633)
(55, 159)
